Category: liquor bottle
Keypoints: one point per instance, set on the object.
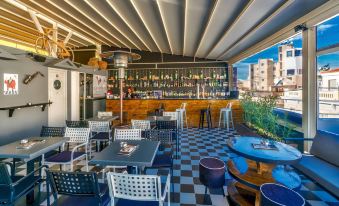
(137, 76)
(162, 75)
(150, 75)
(201, 75)
(176, 74)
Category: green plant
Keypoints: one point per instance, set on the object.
(258, 114)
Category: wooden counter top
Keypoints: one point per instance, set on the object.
(139, 108)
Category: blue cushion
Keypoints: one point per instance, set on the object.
(325, 146)
(83, 200)
(101, 136)
(64, 156)
(124, 202)
(322, 172)
(274, 194)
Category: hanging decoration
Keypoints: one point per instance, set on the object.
(29, 77)
(11, 84)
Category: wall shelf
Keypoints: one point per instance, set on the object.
(12, 109)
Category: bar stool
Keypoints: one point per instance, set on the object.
(226, 116)
(182, 116)
(212, 173)
(208, 117)
(274, 194)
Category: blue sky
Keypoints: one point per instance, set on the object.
(327, 34)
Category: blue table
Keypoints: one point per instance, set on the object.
(282, 156)
(143, 156)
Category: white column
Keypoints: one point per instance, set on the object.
(309, 90)
(55, 38)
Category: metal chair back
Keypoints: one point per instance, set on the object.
(167, 124)
(76, 124)
(52, 131)
(99, 126)
(73, 183)
(164, 136)
(173, 115)
(134, 187)
(77, 135)
(105, 114)
(141, 124)
(127, 134)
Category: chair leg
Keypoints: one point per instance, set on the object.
(220, 118)
(228, 120)
(205, 190)
(172, 179)
(86, 163)
(223, 192)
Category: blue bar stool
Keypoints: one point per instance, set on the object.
(274, 194)
(212, 173)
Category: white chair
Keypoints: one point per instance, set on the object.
(105, 114)
(182, 115)
(226, 116)
(133, 189)
(173, 115)
(79, 136)
(141, 124)
(127, 134)
(100, 132)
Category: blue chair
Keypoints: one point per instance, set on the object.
(76, 124)
(212, 173)
(76, 188)
(13, 187)
(274, 194)
(52, 131)
(164, 159)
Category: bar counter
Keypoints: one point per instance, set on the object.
(140, 108)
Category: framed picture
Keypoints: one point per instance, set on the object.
(99, 86)
(11, 86)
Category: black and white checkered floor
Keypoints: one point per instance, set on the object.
(198, 143)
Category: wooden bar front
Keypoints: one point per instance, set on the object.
(139, 108)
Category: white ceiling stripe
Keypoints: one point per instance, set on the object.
(215, 5)
(110, 22)
(145, 24)
(230, 27)
(185, 27)
(276, 12)
(127, 23)
(163, 20)
(96, 23)
(63, 18)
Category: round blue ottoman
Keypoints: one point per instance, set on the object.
(212, 173)
(275, 194)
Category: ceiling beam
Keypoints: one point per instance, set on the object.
(312, 18)
(97, 24)
(162, 17)
(185, 27)
(70, 22)
(145, 24)
(127, 23)
(211, 14)
(110, 22)
(226, 32)
(256, 28)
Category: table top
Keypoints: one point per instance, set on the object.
(142, 156)
(284, 154)
(10, 150)
(105, 118)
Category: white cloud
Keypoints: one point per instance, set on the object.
(324, 27)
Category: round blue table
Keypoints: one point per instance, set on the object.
(253, 165)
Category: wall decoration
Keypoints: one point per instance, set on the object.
(99, 86)
(11, 84)
(29, 77)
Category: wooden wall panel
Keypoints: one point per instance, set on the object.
(138, 109)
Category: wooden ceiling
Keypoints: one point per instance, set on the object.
(212, 29)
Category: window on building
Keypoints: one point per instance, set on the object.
(290, 72)
(289, 53)
(328, 75)
(297, 52)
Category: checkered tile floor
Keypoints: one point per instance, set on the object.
(198, 143)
